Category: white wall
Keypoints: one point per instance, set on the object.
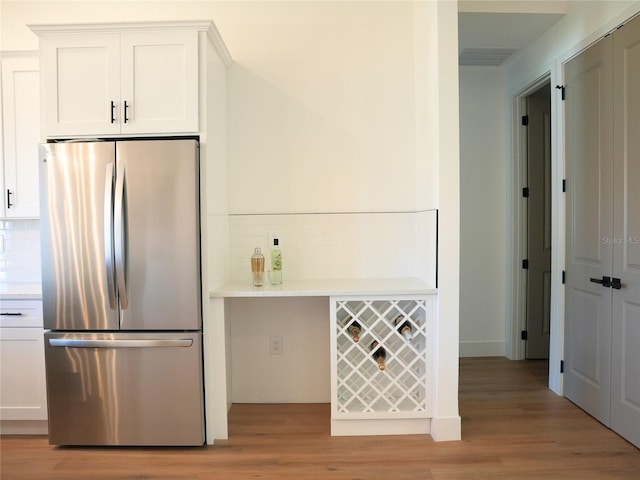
(301, 373)
(482, 211)
(321, 96)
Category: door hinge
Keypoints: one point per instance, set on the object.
(561, 366)
(525, 120)
(562, 89)
(564, 275)
(564, 184)
(525, 264)
(525, 192)
(523, 335)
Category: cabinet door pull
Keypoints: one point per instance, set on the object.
(11, 314)
(113, 111)
(9, 204)
(126, 111)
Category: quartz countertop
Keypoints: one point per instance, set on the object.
(326, 288)
(20, 291)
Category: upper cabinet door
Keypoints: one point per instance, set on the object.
(21, 132)
(159, 81)
(122, 82)
(81, 74)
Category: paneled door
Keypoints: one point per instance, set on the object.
(602, 291)
(539, 223)
(589, 209)
(625, 368)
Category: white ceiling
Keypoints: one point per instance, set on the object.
(482, 35)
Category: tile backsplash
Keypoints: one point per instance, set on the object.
(349, 245)
(20, 251)
(314, 246)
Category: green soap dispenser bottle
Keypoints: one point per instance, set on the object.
(275, 275)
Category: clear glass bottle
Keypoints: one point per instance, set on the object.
(257, 267)
(275, 275)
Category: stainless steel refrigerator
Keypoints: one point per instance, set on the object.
(121, 292)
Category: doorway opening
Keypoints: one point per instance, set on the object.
(537, 195)
(529, 291)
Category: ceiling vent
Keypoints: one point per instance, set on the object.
(485, 56)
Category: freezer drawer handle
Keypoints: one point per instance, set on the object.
(11, 314)
(156, 343)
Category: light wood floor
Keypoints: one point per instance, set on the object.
(513, 427)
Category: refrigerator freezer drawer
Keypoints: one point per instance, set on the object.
(125, 388)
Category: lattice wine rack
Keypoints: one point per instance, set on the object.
(398, 386)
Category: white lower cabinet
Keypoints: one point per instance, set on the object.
(381, 396)
(23, 395)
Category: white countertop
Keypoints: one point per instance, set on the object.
(20, 291)
(326, 288)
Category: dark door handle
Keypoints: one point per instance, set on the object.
(126, 112)
(11, 314)
(615, 283)
(113, 111)
(9, 204)
(604, 281)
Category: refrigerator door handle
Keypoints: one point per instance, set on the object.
(108, 235)
(120, 229)
(89, 343)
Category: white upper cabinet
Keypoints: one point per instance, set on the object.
(159, 72)
(81, 80)
(119, 82)
(20, 136)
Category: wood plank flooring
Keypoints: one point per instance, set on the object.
(513, 427)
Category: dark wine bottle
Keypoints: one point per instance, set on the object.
(379, 354)
(354, 330)
(405, 328)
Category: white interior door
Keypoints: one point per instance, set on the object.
(625, 371)
(589, 208)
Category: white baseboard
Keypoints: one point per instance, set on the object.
(482, 349)
(358, 427)
(24, 427)
(446, 429)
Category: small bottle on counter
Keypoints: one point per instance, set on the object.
(257, 267)
(275, 274)
(379, 354)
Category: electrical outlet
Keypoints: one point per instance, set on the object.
(275, 345)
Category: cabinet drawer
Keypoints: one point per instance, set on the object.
(21, 313)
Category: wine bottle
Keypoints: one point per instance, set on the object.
(379, 354)
(354, 330)
(405, 328)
